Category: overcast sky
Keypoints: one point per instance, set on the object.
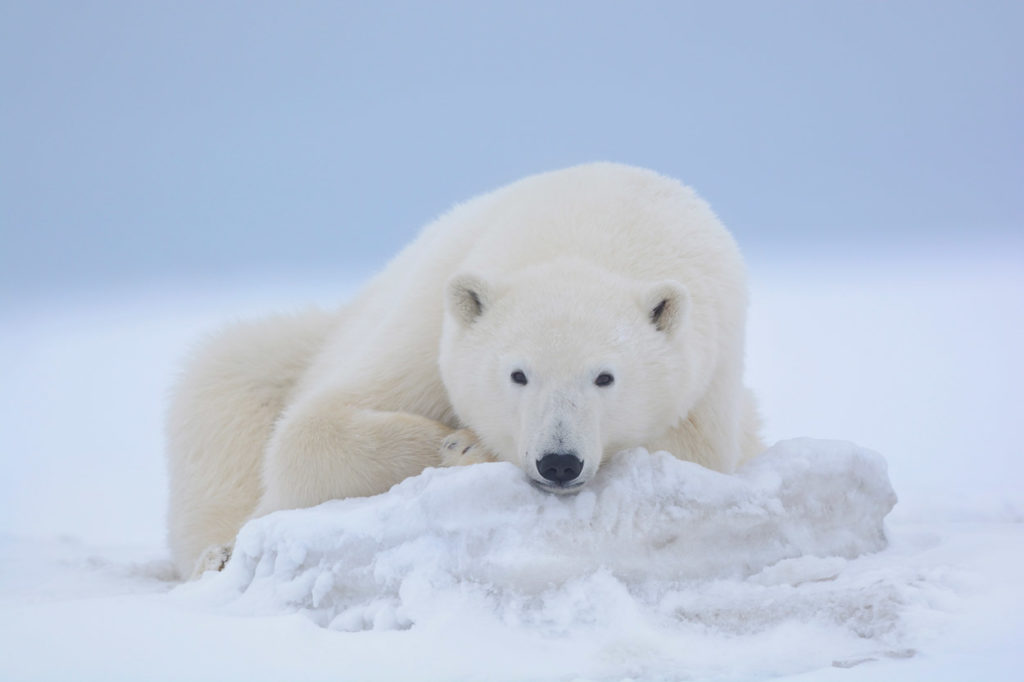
(152, 141)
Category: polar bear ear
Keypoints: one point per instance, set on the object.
(667, 304)
(467, 297)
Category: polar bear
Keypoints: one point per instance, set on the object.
(550, 323)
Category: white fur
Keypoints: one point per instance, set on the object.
(597, 269)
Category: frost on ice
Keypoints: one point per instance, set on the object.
(651, 539)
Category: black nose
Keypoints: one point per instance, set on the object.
(560, 467)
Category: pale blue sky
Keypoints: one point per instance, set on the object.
(152, 141)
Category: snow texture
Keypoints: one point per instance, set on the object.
(86, 594)
(664, 545)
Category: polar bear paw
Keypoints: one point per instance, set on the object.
(213, 558)
(462, 447)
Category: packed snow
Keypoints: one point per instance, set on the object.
(794, 568)
(653, 552)
(649, 522)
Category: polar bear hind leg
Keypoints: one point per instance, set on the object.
(222, 412)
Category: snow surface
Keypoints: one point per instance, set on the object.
(654, 552)
(646, 520)
(659, 570)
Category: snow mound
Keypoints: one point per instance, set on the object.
(646, 531)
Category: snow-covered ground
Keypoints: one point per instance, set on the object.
(917, 361)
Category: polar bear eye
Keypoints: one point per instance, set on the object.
(604, 379)
(519, 378)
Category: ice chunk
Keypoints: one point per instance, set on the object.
(482, 537)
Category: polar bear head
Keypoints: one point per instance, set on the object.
(560, 365)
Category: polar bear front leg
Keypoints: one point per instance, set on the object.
(463, 447)
(325, 448)
(710, 433)
(213, 558)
